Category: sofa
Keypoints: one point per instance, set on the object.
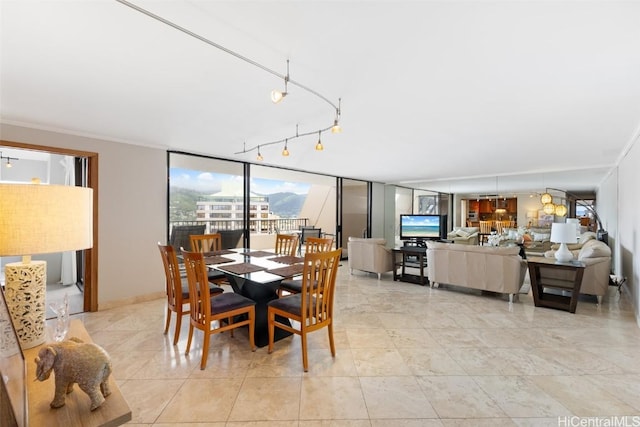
(597, 257)
(464, 235)
(370, 255)
(496, 269)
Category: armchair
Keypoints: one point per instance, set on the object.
(370, 255)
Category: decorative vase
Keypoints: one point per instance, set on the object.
(61, 326)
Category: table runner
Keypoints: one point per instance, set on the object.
(242, 268)
(287, 259)
(288, 271)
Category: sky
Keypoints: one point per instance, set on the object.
(212, 182)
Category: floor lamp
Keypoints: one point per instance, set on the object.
(39, 219)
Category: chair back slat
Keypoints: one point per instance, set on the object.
(318, 244)
(286, 244)
(199, 298)
(206, 242)
(318, 284)
(173, 280)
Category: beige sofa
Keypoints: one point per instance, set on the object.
(370, 255)
(464, 235)
(597, 257)
(496, 269)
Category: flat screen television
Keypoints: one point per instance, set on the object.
(422, 227)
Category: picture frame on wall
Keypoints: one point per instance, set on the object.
(13, 372)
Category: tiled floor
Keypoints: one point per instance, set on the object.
(406, 356)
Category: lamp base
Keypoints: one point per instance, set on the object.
(25, 292)
(563, 254)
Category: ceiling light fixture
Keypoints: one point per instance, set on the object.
(561, 210)
(8, 164)
(259, 158)
(319, 146)
(335, 128)
(276, 95)
(285, 151)
(546, 198)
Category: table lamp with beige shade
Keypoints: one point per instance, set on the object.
(39, 219)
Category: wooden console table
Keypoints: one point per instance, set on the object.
(412, 257)
(539, 282)
(113, 412)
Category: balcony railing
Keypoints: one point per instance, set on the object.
(256, 226)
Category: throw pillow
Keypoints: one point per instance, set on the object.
(594, 251)
(463, 233)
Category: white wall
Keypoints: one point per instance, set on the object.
(131, 215)
(619, 212)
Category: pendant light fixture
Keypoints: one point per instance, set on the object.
(319, 146)
(285, 151)
(546, 198)
(259, 157)
(549, 208)
(560, 210)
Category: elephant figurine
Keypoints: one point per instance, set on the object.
(74, 361)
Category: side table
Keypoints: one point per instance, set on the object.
(412, 257)
(542, 283)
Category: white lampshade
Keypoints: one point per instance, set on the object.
(39, 219)
(563, 233)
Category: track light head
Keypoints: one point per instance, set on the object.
(277, 96)
(319, 146)
(336, 127)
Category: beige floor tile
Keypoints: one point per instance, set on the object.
(459, 397)
(412, 338)
(479, 422)
(332, 398)
(519, 397)
(379, 362)
(267, 399)
(369, 338)
(624, 387)
(483, 361)
(430, 361)
(582, 397)
(395, 397)
(200, 400)
(148, 398)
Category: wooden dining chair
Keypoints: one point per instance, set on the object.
(485, 230)
(313, 245)
(177, 289)
(209, 243)
(312, 308)
(501, 225)
(307, 233)
(207, 312)
(286, 244)
(205, 242)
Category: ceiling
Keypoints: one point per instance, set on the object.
(454, 96)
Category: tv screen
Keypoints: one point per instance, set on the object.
(420, 227)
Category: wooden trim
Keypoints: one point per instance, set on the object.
(91, 255)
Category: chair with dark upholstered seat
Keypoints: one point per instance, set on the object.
(177, 289)
(209, 243)
(313, 245)
(206, 309)
(312, 308)
(306, 233)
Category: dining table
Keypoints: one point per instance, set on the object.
(257, 274)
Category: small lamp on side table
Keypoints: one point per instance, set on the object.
(563, 233)
(39, 219)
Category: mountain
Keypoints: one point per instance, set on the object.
(183, 204)
(286, 205)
